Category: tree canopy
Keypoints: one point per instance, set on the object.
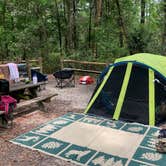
(82, 29)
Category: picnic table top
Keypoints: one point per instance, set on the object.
(21, 86)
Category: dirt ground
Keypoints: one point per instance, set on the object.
(68, 100)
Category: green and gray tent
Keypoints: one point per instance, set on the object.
(132, 89)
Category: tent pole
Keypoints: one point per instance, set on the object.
(151, 98)
(122, 92)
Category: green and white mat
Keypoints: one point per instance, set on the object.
(95, 141)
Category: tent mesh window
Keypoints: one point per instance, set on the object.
(106, 102)
(160, 99)
(136, 102)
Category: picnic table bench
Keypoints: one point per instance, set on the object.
(18, 86)
(39, 100)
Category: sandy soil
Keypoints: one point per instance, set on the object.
(68, 100)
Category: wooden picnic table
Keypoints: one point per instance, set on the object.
(21, 86)
(17, 90)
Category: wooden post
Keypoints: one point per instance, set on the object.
(41, 64)
(62, 65)
(28, 68)
(18, 60)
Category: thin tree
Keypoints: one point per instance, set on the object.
(4, 11)
(142, 20)
(97, 17)
(164, 28)
(58, 26)
(123, 31)
(74, 26)
(90, 23)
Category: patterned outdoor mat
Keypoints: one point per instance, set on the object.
(95, 141)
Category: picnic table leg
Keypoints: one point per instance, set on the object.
(33, 91)
(18, 95)
(41, 106)
(6, 118)
(10, 114)
(4, 122)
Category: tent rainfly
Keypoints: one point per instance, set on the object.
(132, 89)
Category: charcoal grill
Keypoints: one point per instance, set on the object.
(64, 78)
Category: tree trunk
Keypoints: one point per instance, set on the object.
(74, 36)
(98, 11)
(24, 57)
(42, 32)
(142, 20)
(59, 27)
(164, 28)
(5, 48)
(13, 35)
(121, 41)
(69, 25)
(4, 12)
(90, 24)
(66, 30)
(123, 32)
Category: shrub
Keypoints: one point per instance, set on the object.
(51, 63)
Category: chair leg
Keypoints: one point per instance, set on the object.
(74, 80)
(58, 82)
(10, 116)
(61, 83)
(4, 122)
(70, 81)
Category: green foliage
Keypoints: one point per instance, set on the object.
(51, 63)
(139, 39)
(33, 28)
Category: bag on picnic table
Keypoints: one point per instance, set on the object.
(161, 141)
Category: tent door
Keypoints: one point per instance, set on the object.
(99, 90)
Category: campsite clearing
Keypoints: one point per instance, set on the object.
(66, 101)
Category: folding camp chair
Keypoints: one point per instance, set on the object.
(64, 78)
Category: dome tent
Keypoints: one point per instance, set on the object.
(131, 89)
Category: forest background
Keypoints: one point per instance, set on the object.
(93, 30)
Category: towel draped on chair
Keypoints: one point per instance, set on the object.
(14, 74)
